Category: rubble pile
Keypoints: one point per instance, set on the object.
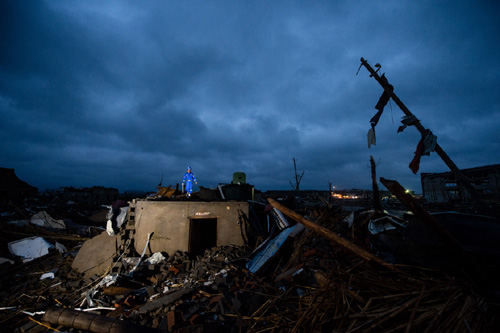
(350, 295)
(309, 284)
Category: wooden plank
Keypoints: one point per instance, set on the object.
(330, 235)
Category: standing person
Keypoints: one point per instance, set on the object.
(188, 179)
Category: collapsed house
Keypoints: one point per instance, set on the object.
(167, 226)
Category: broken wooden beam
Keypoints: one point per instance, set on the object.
(376, 194)
(164, 300)
(330, 235)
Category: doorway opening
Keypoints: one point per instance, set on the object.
(202, 235)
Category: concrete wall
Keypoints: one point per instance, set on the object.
(170, 223)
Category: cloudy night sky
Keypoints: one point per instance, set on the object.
(119, 93)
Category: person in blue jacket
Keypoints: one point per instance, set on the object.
(188, 179)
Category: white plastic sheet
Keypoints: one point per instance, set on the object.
(155, 259)
(43, 219)
(30, 248)
(120, 219)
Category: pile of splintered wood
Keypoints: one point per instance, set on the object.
(354, 294)
(364, 299)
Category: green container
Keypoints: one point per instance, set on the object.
(239, 178)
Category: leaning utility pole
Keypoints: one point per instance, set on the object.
(456, 171)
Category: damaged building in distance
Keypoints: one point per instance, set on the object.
(90, 195)
(443, 187)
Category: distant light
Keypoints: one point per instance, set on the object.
(407, 191)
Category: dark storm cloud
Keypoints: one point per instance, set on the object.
(119, 93)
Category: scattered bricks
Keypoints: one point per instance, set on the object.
(130, 301)
(164, 300)
(311, 252)
(234, 288)
(171, 320)
(195, 319)
(249, 285)
(117, 312)
(174, 269)
(215, 299)
(181, 268)
(116, 290)
(155, 323)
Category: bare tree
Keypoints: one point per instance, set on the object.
(297, 177)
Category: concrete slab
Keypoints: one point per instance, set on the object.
(95, 255)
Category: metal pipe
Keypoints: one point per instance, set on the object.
(90, 322)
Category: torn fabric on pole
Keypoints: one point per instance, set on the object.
(425, 146)
(372, 140)
(382, 102)
(407, 121)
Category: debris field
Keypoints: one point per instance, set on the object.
(325, 277)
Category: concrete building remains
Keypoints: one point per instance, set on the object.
(443, 187)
